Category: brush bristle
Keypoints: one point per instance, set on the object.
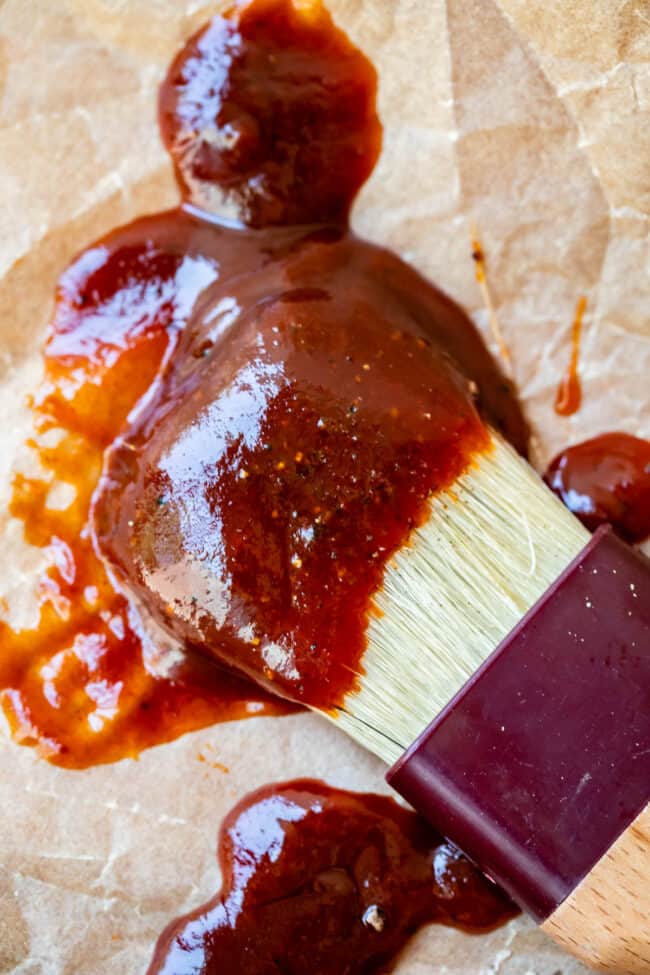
(491, 546)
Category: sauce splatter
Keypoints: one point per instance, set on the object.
(273, 112)
(569, 393)
(319, 881)
(606, 479)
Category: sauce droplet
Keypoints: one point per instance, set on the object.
(317, 881)
(606, 479)
(569, 393)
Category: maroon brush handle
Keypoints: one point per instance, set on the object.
(542, 760)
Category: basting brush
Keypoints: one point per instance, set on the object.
(506, 669)
(507, 681)
(505, 673)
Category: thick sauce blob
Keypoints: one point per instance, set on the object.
(321, 390)
(606, 479)
(318, 881)
(302, 414)
(275, 110)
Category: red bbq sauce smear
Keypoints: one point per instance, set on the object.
(606, 479)
(277, 398)
(319, 881)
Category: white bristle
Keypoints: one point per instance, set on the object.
(493, 543)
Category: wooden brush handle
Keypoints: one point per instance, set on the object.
(539, 766)
(606, 920)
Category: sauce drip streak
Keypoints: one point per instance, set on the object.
(319, 881)
(569, 393)
(480, 272)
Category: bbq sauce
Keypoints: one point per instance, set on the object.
(85, 684)
(321, 389)
(274, 109)
(568, 398)
(606, 479)
(319, 881)
(325, 460)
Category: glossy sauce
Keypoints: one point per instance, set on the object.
(569, 393)
(606, 479)
(319, 881)
(85, 684)
(313, 486)
(320, 392)
(275, 110)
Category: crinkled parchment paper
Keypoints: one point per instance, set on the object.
(530, 120)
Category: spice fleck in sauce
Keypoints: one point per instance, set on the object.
(300, 392)
(319, 881)
(569, 392)
(606, 479)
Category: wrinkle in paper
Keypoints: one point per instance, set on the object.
(530, 121)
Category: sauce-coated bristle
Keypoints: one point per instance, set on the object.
(490, 548)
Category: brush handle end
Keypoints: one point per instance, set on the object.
(605, 921)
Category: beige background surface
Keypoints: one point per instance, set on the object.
(531, 119)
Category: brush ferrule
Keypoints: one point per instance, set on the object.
(542, 759)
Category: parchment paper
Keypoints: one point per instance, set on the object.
(531, 120)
